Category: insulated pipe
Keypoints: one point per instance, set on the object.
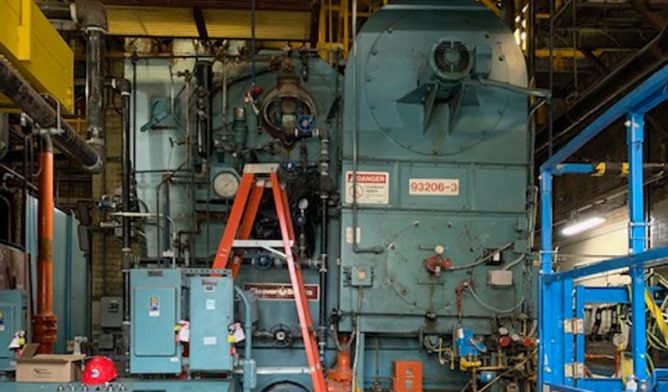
(95, 85)
(91, 15)
(58, 11)
(30, 102)
(44, 323)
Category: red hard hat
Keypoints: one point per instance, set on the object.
(99, 370)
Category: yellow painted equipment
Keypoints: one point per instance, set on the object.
(220, 23)
(36, 49)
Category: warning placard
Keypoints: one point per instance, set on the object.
(372, 187)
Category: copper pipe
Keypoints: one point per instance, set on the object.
(44, 323)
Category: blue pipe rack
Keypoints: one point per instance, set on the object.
(561, 350)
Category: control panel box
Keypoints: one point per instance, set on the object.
(13, 313)
(111, 312)
(211, 312)
(156, 309)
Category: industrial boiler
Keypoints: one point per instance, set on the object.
(408, 182)
(392, 212)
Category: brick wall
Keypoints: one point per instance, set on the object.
(106, 271)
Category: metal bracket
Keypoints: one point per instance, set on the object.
(574, 326)
(574, 370)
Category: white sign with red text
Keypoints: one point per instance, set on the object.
(433, 187)
(372, 187)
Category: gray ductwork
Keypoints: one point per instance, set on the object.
(31, 102)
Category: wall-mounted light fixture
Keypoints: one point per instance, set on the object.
(582, 225)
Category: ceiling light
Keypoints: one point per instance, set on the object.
(580, 226)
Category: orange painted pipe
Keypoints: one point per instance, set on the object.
(44, 322)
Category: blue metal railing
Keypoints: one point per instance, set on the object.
(561, 349)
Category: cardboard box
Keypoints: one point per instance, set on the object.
(32, 367)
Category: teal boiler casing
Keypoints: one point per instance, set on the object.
(442, 162)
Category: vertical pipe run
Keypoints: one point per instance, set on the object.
(204, 76)
(637, 243)
(95, 115)
(546, 256)
(325, 184)
(44, 323)
(123, 87)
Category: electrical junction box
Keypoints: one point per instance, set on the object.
(500, 278)
(13, 313)
(111, 312)
(156, 309)
(211, 312)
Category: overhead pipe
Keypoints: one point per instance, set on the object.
(603, 94)
(40, 111)
(92, 16)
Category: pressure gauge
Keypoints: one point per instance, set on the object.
(226, 184)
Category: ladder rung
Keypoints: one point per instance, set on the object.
(259, 243)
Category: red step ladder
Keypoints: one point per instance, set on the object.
(255, 179)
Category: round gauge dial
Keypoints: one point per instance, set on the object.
(226, 184)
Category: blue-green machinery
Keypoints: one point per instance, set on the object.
(13, 317)
(426, 259)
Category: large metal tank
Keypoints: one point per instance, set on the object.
(438, 139)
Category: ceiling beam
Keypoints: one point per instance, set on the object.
(266, 5)
(200, 23)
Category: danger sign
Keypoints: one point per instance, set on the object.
(371, 187)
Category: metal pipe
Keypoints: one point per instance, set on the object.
(123, 87)
(44, 322)
(204, 76)
(31, 102)
(134, 114)
(248, 346)
(95, 116)
(325, 185)
(55, 10)
(92, 16)
(248, 322)
(253, 44)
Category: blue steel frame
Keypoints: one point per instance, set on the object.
(557, 348)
